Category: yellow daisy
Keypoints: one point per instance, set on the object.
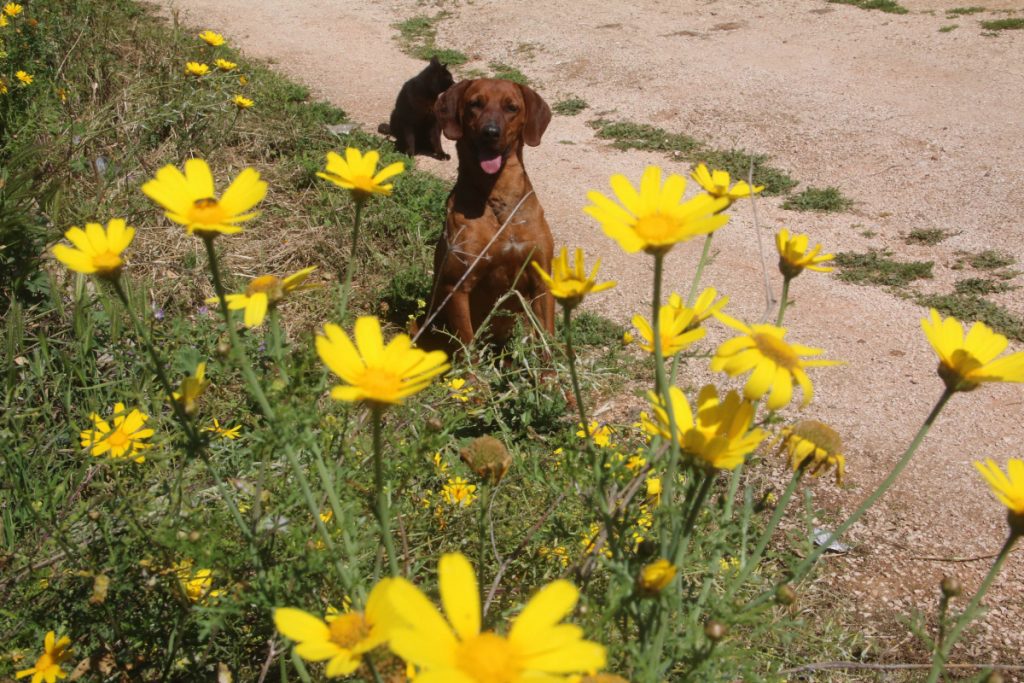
(25, 77)
(190, 199)
(358, 172)
(794, 257)
(706, 305)
(225, 65)
(537, 647)
(458, 390)
(458, 492)
(814, 446)
(570, 284)
(965, 362)
(264, 293)
(230, 433)
(719, 436)
(377, 374)
(774, 361)
(677, 326)
(340, 639)
(212, 38)
(191, 389)
(196, 583)
(3, 21)
(12, 9)
(55, 651)
(655, 576)
(196, 68)
(1008, 488)
(124, 439)
(97, 251)
(716, 184)
(654, 218)
(242, 102)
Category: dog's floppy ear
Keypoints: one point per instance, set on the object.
(447, 110)
(538, 116)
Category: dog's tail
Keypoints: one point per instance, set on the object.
(384, 129)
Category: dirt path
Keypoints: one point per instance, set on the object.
(921, 128)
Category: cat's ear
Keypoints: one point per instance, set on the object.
(434, 61)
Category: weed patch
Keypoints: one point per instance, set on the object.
(508, 73)
(1008, 24)
(628, 135)
(971, 307)
(823, 200)
(964, 11)
(979, 286)
(989, 259)
(925, 236)
(418, 36)
(948, 28)
(571, 106)
(877, 268)
(888, 6)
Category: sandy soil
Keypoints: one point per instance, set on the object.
(922, 129)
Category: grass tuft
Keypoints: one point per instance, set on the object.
(980, 286)
(888, 6)
(948, 28)
(508, 73)
(926, 236)
(1008, 24)
(628, 135)
(823, 200)
(877, 268)
(964, 11)
(989, 259)
(418, 38)
(571, 106)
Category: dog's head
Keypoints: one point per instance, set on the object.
(495, 117)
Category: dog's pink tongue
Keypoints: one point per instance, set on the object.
(491, 165)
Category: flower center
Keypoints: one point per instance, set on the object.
(489, 658)
(379, 383)
(777, 350)
(107, 261)
(656, 227)
(348, 629)
(271, 285)
(363, 183)
(118, 439)
(206, 211)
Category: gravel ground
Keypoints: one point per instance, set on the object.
(922, 129)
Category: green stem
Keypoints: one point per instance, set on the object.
(751, 563)
(692, 296)
(967, 616)
(277, 342)
(481, 559)
(383, 508)
(195, 443)
(880, 491)
(784, 302)
(237, 352)
(350, 267)
(682, 543)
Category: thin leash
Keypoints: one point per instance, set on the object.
(437, 309)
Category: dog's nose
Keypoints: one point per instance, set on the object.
(491, 131)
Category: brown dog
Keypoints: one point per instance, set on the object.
(495, 225)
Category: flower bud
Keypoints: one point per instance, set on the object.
(654, 577)
(951, 587)
(785, 595)
(487, 457)
(434, 425)
(715, 630)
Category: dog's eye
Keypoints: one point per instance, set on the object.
(475, 104)
(511, 108)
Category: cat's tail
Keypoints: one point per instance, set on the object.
(384, 129)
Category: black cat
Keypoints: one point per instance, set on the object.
(413, 122)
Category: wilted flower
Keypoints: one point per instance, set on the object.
(794, 257)
(264, 293)
(191, 389)
(230, 433)
(814, 446)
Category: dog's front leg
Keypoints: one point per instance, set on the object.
(458, 315)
